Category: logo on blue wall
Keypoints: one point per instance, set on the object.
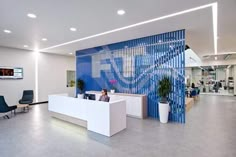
(137, 65)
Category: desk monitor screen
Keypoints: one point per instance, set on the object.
(90, 96)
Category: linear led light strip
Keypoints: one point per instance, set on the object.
(36, 75)
(214, 15)
(215, 22)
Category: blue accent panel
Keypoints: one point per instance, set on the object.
(137, 66)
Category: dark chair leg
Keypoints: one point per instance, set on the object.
(6, 116)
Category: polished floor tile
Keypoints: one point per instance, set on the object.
(210, 130)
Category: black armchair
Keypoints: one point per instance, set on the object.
(27, 98)
(4, 108)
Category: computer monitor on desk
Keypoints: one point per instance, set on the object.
(90, 96)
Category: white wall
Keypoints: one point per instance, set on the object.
(12, 89)
(227, 75)
(196, 75)
(231, 71)
(188, 75)
(220, 74)
(191, 58)
(51, 76)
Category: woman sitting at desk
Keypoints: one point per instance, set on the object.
(104, 96)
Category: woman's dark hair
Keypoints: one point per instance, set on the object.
(105, 91)
(193, 85)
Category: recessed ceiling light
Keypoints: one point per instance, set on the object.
(30, 15)
(71, 53)
(120, 12)
(211, 5)
(44, 39)
(26, 46)
(73, 29)
(7, 31)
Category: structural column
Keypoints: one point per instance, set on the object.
(234, 75)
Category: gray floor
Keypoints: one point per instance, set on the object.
(210, 131)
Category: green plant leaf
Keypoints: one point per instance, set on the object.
(164, 88)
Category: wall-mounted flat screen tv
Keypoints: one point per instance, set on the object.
(11, 73)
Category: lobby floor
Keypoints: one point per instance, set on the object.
(210, 131)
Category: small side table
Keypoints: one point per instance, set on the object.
(23, 107)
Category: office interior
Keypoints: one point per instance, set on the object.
(215, 80)
(57, 57)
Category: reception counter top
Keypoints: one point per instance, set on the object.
(136, 104)
(120, 94)
(106, 118)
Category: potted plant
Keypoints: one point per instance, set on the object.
(164, 88)
(80, 85)
(72, 83)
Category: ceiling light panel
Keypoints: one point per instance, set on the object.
(120, 12)
(73, 29)
(7, 31)
(30, 15)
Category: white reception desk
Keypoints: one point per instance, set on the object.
(136, 104)
(106, 118)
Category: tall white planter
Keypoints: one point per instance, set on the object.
(164, 109)
(80, 96)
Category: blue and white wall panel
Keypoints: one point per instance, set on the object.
(138, 65)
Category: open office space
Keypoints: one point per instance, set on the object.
(117, 78)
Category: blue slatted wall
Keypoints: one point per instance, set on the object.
(137, 66)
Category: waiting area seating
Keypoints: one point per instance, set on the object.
(24, 102)
(191, 96)
(4, 108)
(195, 93)
(27, 98)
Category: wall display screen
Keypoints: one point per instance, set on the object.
(11, 73)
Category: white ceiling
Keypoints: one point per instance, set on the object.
(90, 17)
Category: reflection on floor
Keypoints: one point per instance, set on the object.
(221, 92)
(209, 131)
